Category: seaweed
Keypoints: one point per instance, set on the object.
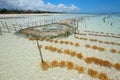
(66, 42)
(79, 69)
(88, 60)
(94, 47)
(59, 51)
(98, 61)
(66, 51)
(70, 65)
(71, 43)
(79, 55)
(87, 46)
(101, 49)
(72, 53)
(44, 65)
(113, 50)
(46, 47)
(77, 44)
(62, 63)
(56, 41)
(93, 73)
(39, 46)
(32, 39)
(54, 63)
(103, 76)
(61, 42)
(117, 66)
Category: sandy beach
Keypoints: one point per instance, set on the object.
(20, 59)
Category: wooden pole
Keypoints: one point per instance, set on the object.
(20, 26)
(40, 22)
(27, 24)
(32, 23)
(14, 27)
(75, 33)
(40, 52)
(77, 25)
(0, 31)
(35, 23)
(7, 27)
(2, 24)
(23, 21)
(85, 25)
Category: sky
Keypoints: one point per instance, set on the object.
(70, 6)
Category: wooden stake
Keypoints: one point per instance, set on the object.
(35, 23)
(40, 52)
(32, 23)
(77, 25)
(27, 24)
(40, 22)
(20, 26)
(7, 27)
(14, 27)
(85, 25)
(2, 24)
(75, 33)
(0, 31)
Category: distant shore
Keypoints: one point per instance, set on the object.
(6, 16)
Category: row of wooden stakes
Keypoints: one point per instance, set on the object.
(96, 40)
(71, 66)
(79, 55)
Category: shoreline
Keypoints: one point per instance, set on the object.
(6, 16)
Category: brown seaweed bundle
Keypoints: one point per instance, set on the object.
(89, 60)
(46, 47)
(41, 39)
(94, 47)
(32, 39)
(71, 43)
(66, 51)
(62, 63)
(59, 50)
(117, 66)
(101, 49)
(77, 44)
(103, 76)
(53, 49)
(44, 65)
(72, 53)
(39, 46)
(54, 63)
(87, 46)
(66, 42)
(79, 69)
(70, 65)
(61, 42)
(98, 61)
(56, 41)
(79, 55)
(50, 40)
(113, 50)
(92, 73)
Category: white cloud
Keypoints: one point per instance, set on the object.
(41, 5)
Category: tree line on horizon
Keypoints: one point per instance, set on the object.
(20, 11)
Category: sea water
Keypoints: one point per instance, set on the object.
(94, 22)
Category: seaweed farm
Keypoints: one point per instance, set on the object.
(60, 47)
